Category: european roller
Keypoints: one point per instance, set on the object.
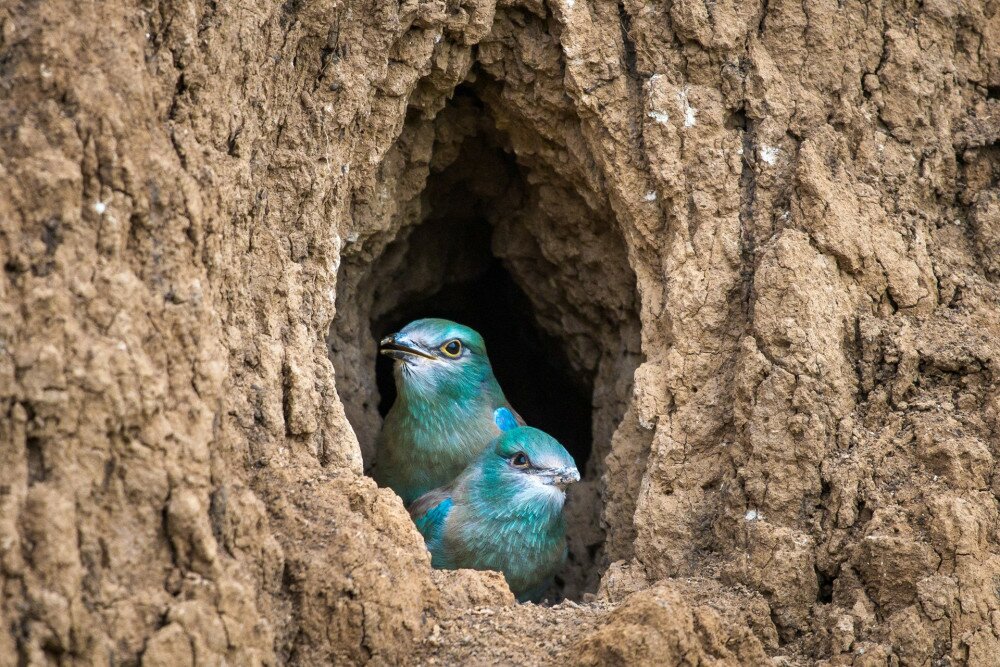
(446, 408)
(504, 512)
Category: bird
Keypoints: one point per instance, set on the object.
(504, 512)
(447, 407)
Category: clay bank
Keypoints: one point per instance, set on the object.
(745, 254)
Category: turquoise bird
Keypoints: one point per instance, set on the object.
(446, 408)
(504, 512)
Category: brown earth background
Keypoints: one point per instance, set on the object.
(766, 234)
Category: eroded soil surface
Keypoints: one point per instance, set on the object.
(762, 235)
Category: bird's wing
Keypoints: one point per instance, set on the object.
(429, 512)
(506, 418)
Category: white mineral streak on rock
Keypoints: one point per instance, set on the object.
(689, 111)
(769, 154)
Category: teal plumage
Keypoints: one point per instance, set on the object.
(504, 512)
(444, 413)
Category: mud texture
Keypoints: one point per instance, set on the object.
(765, 235)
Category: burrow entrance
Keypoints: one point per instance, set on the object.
(502, 243)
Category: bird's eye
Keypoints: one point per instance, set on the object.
(452, 348)
(519, 460)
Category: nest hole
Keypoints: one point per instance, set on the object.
(508, 248)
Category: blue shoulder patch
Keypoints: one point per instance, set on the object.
(504, 419)
(430, 519)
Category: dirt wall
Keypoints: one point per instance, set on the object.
(767, 233)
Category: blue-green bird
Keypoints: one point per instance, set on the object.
(504, 512)
(446, 408)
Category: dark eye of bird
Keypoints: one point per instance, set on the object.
(452, 348)
(520, 460)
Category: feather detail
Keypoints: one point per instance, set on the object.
(430, 513)
(506, 419)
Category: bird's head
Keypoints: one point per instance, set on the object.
(529, 465)
(436, 357)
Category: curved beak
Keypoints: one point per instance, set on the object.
(400, 348)
(562, 477)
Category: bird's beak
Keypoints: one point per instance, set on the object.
(400, 348)
(562, 477)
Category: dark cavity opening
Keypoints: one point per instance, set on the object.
(529, 364)
(511, 248)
